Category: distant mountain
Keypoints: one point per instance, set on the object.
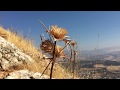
(111, 49)
(103, 50)
(109, 53)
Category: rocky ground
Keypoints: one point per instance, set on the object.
(25, 74)
(22, 74)
(10, 59)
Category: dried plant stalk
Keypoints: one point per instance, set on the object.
(56, 51)
(73, 62)
(53, 62)
(46, 68)
(47, 46)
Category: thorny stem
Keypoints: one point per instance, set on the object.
(46, 68)
(77, 71)
(77, 67)
(43, 26)
(53, 62)
(70, 57)
(64, 47)
(73, 62)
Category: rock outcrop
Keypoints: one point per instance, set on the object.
(10, 55)
(25, 74)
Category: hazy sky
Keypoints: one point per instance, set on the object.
(83, 26)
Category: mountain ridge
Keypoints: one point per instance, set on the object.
(108, 53)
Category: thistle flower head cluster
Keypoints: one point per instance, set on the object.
(47, 46)
(58, 33)
(73, 43)
(50, 45)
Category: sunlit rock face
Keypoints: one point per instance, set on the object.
(25, 74)
(10, 55)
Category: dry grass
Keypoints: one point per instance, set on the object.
(58, 71)
(113, 68)
(99, 66)
(27, 47)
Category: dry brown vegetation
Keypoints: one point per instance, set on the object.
(27, 47)
(113, 68)
(50, 47)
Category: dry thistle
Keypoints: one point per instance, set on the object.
(73, 43)
(59, 51)
(47, 46)
(75, 52)
(74, 56)
(58, 33)
(67, 41)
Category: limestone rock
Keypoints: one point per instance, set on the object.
(11, 55)
(25, 74)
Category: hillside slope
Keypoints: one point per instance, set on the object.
(26, 47)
